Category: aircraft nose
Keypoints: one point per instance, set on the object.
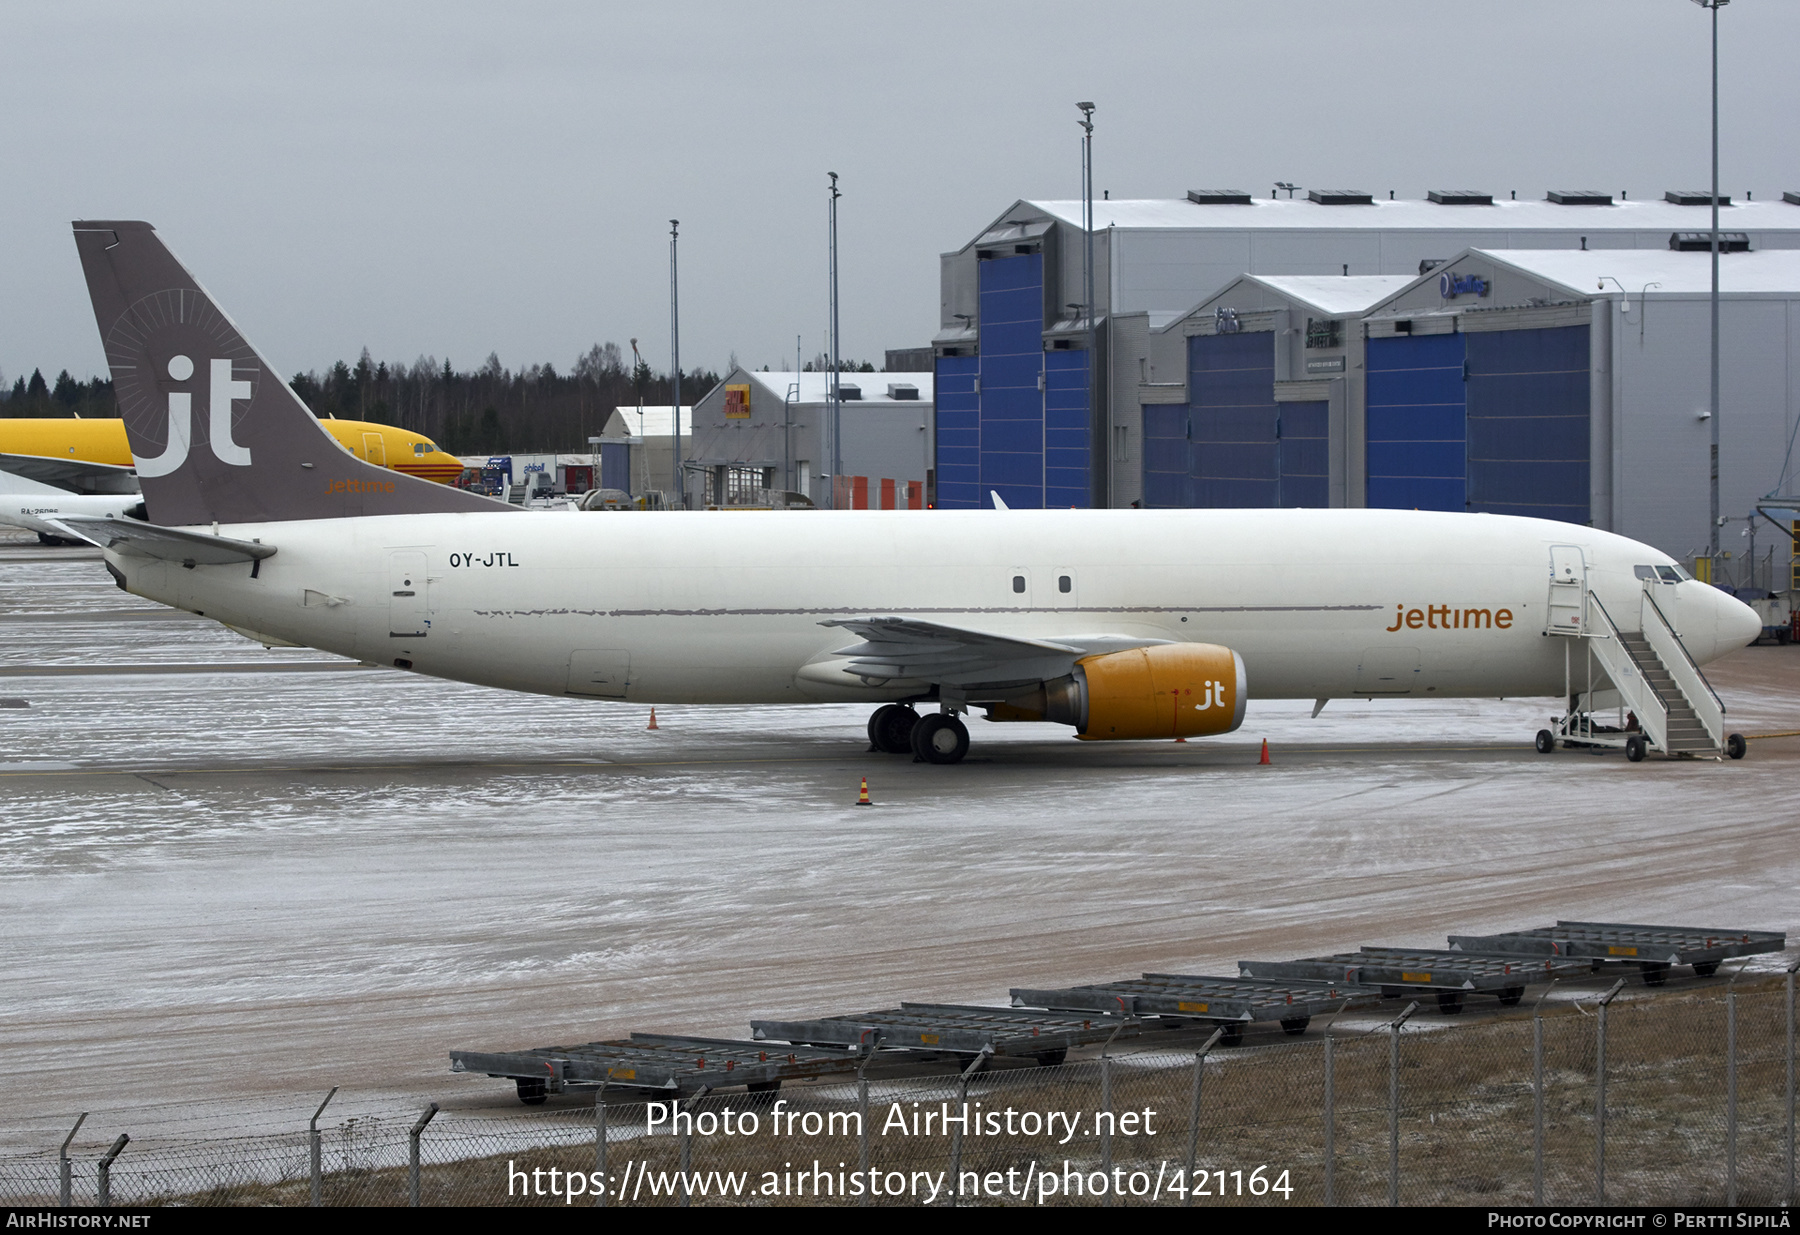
(1738, 623)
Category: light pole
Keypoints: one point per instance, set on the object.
(1096, 441)
(1713, 525)
(837, 403)
(675, 355)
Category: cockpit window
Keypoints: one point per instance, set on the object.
(1644, 572)
(1666, 574)
(1670, 574)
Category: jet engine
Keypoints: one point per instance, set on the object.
(1171, 690)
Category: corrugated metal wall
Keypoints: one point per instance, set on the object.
(1417, 422)
(1528, 395)
(1012, 358)
(1066, 430)
(958, 433)
(1231, 397)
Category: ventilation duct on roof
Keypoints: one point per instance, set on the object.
(1339, 197)
(848, 392)
(1219, 197)
(1701, 242)
(902, 390)
(1578, 197)
(1694, 197)
(1792, 199)
(1460, 197)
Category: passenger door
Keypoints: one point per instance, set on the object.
(409, 605)
(1566, 613)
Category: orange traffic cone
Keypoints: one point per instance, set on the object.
(652, 724)
(862, 798)
(1265, 754)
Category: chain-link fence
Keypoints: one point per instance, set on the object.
(1677, 1098)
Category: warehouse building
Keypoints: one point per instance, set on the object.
(1561, 384)
(1014, 411)
(762, 433)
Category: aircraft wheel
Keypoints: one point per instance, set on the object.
(1636, 748)
(940, 737)
(1736, 747)
(890, 729)
(531, 1091)
(1546, 741)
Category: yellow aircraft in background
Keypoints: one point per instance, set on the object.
(92, 456)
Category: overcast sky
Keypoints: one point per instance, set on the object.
(454, 178)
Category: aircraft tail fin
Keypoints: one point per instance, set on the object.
(216, 433)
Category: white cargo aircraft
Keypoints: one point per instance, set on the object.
(36, 507)
(1122, 624)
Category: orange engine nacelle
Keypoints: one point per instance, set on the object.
(1172, 690)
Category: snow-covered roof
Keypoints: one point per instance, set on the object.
(815, 387)
(1769, 272)
(1340, 296)
(651, 422)
(1178, 214)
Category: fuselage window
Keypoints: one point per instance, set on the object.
(1018, 583)
(1064, 584)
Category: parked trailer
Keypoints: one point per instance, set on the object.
(1395, 971)
(667, 1062)
(953, 1029)
(1232, 1003)
(1651, 948)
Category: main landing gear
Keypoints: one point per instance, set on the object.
(936, 737)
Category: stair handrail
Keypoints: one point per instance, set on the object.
(1660, 733)
(1686, 655)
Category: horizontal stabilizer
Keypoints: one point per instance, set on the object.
(166, 543)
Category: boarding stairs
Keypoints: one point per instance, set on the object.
(1644, 659)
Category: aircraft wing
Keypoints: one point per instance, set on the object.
(167, 543)
(75, 475)
(911, 649)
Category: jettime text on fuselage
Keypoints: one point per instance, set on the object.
(1449, 617)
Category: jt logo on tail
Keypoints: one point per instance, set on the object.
(181, 420)
(256, 455)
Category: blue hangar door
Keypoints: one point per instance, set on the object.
(1233, 420)
(1011, 397)
(958, 433)
(1417, 430)
(1495, 421)
(1528, 418)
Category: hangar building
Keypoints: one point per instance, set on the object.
(1014, 414)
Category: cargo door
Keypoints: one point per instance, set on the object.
(602, 674)
(375, 449)
(408, 601)
(1566, 613)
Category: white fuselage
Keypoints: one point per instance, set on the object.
(31, 505)
(727, 608)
